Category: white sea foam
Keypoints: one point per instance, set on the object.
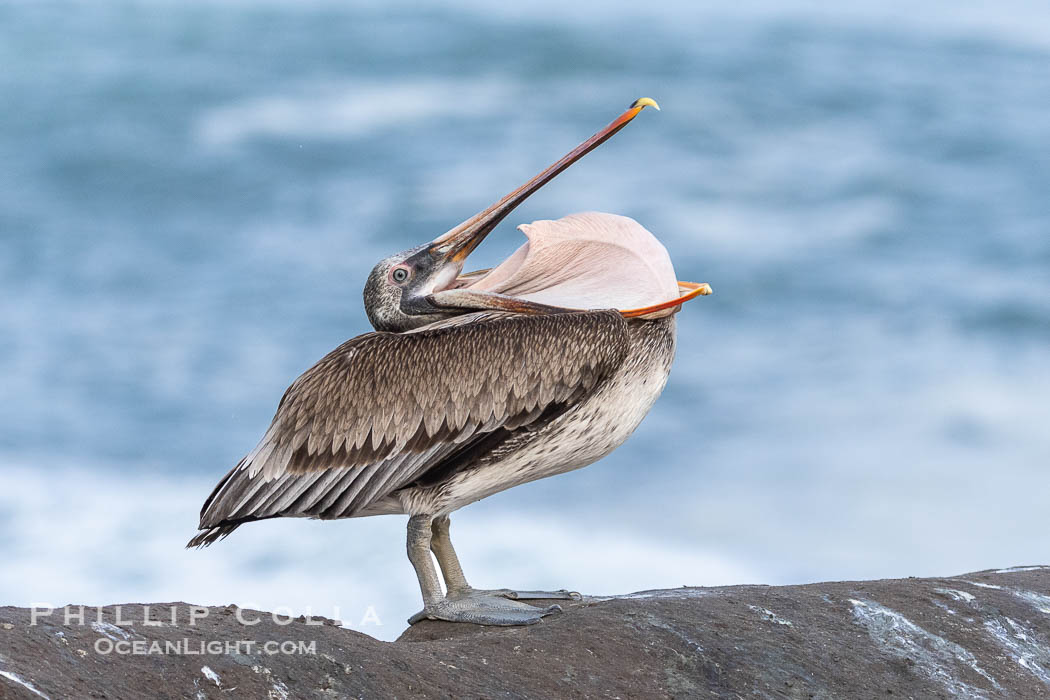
(121, 540)
(347, 111)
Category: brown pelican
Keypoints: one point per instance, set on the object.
(471, 384)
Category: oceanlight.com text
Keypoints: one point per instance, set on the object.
(197, 647)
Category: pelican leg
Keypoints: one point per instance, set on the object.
(463, 603)
(419, 554)
(456, 582)
(441, 543)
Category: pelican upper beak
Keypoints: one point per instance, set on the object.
(455, 245)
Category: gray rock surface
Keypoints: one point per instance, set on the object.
(981, 635)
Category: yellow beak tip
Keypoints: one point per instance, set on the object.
(645, 102)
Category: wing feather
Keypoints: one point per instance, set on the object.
(383, 409)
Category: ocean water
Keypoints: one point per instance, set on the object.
(191, 195)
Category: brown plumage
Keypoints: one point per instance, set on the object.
(373, 416)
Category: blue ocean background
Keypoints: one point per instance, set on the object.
(191, 195)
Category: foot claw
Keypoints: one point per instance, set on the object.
(540, 595)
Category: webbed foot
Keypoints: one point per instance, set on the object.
(490, 607)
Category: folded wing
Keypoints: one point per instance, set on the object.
(383, 410)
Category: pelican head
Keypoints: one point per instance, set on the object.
(398, 286)
(423, 284)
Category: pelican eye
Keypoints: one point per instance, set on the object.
(400, 274)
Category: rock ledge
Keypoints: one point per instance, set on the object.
(985, 634)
